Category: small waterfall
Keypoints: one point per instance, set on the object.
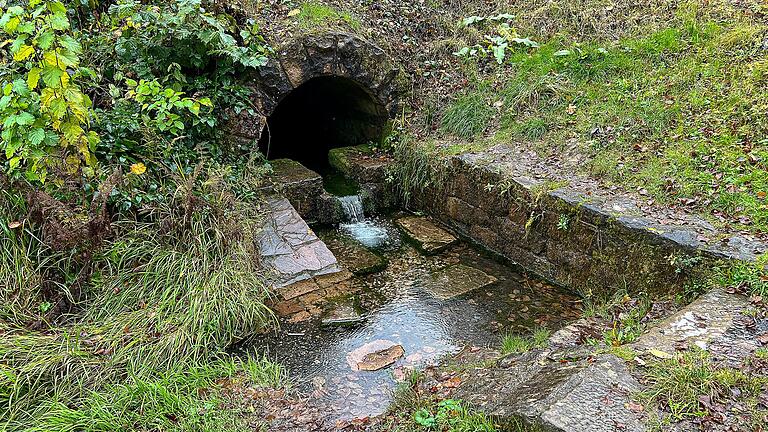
(369, 232)
(353, 208)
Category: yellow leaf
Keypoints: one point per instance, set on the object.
(294, 12)
(23, 53)
(33, 77)
(138, 168)
(661, 354)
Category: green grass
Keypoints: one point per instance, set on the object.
(416, 410)
(676, 106)
(183, 398)
(165, 296)
(516, 344)
(313, 14)
(469, 115)
(625, 315)
(678, 385)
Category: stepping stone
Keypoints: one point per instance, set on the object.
(342, 312)
(355, 257)
(429, 237)
(375, 355)
(456, 280)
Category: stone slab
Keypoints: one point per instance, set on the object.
(341, 312)
(456, 280)
(290, 249)
(429, 237)
(353, 256)
(705, 321)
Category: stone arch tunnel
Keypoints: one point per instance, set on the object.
(320, 92)
(324, 112)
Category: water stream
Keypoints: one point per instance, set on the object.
(404, 304)
(370, 232)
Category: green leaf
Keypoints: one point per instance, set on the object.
(37, 136)
(45, 40)
(24, 118)
(59, 21)
(58, 107)
(71, 44)
(20, 87)
(14, 162)
(27, 27)
(24, 52)
(11, 25)
(57, 7)
(52, 76)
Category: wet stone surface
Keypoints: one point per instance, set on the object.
(290, 248)
(396, 305)
(429, 237)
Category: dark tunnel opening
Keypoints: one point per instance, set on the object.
(321, 114)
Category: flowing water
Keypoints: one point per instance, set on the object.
(408, 305)
(370, 232)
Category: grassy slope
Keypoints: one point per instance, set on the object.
(672, 104)
(143, 347)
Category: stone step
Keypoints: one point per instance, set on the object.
(289, 249)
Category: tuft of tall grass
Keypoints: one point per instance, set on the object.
(417, 167)
(187, 397)
(517, 344)
(682, 384)
(469, 115)
(168, 293)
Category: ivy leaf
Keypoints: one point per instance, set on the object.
(24, 52)
(33, 77)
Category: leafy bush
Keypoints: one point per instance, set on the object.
(44, 112)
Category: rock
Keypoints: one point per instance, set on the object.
(360, 163)
(355, 257)
(429, 237)
(290, 249)
(576, 395)
(456, 280)
(375, 355)
(703, 322)
(342, 312)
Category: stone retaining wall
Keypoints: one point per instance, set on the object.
(577, 241)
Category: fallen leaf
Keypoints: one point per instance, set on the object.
(634, 407)
(294, 12)
(661, 354)
(14, 224)
(453, 382)
(763, 338)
